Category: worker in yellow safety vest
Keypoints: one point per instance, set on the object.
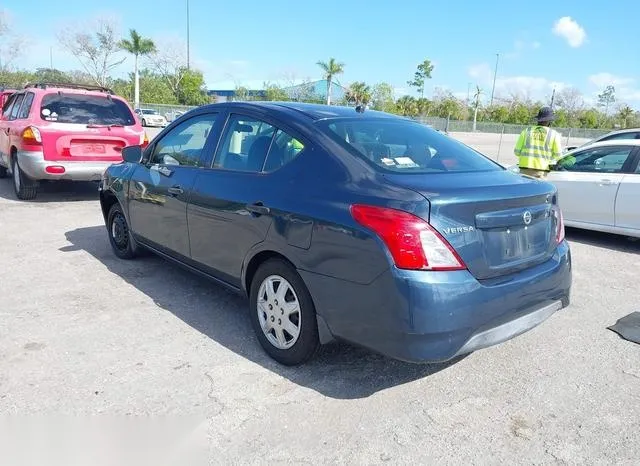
(539, 147)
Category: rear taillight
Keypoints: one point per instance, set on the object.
(412, 242)
(144, 139)
(559, 225)
(31, 136)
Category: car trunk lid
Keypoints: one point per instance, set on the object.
(498, 222)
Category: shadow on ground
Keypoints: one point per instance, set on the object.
(338, 371)
(54, 191)
(604, 240)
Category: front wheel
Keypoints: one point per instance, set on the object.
(144, 122)
(283, 314)
(122, 243)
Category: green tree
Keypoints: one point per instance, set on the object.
(358, 93)
(330, 69)
(275, 93)
(424, 105)
(241, 94)
(382, 97)
(407, 106)
(51, 75)
(589, 118)
(625, 113)
(422, 73)
(607, 98)
(154, 89)
(137, 46)
(192, 90)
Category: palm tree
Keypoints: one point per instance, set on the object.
(359, 93)
(625, 113)
(476, 96)
(137, 46)
(330, 69)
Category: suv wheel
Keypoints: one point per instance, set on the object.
(283, 314)
(25, 188)
(122, 243)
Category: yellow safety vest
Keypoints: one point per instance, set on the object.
(538, 147)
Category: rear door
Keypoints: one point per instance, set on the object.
(588, 187)
(628, 198)
(234, 202)
(4, 130)
(160, 187)
(86, 127)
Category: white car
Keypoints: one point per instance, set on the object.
(599, 186)
(629, 133)
(151, 117)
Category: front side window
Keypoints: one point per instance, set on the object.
(183, 145)
(85, 109)
(600, 160)
(405, 146)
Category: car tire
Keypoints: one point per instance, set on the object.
(3, 172)
(120, 237)
(25, 188)
(281, 341)
(144, 122)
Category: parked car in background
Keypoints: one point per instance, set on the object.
(54, 131)
(599, 186)
(151, 117)
(630, 133)
(336, 224)
(173, 114)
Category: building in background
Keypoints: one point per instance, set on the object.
(315, 91)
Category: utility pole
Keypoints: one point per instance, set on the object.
(495, 73)
(188, 61)
(553, 96)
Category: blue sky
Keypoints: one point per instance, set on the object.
(542, 44)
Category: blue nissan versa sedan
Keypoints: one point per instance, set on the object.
(340, 223)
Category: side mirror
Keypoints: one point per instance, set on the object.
(132, 154)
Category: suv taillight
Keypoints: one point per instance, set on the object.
(412, 242)
(31, 136)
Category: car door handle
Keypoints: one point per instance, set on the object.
(175, 190)
(258, 209)
(607, 182)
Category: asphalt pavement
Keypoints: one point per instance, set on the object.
(85, 336)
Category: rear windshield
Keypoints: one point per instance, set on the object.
(85, 109)
(405, 146)
(149, 112)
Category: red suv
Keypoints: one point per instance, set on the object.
(52, 131)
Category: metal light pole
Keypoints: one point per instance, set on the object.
(553, 96)
(495, 73)
(188, 61)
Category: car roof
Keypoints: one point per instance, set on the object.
(621, 131)
(612, 142)
(310, 111)
(69, 88)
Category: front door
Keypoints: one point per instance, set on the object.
(160, 188)
(587, 187)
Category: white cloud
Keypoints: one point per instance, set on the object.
(606, 79)
(481, 72)
(570, 30)
(626, 89)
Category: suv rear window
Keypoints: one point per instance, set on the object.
(85, 109)
(405, 146)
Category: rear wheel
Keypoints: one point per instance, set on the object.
(122, 243)
(25, 188)
(283, 314)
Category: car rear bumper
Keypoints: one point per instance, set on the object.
(437, 316)
(35, 166)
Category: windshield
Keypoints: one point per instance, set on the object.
(406, 146)
(85, 109)
(149, 112)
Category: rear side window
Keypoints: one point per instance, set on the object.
(85, 109)
(16, 107)
(7, 105)
(26, 105)
(405, 146)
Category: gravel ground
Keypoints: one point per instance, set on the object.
(86, 336)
